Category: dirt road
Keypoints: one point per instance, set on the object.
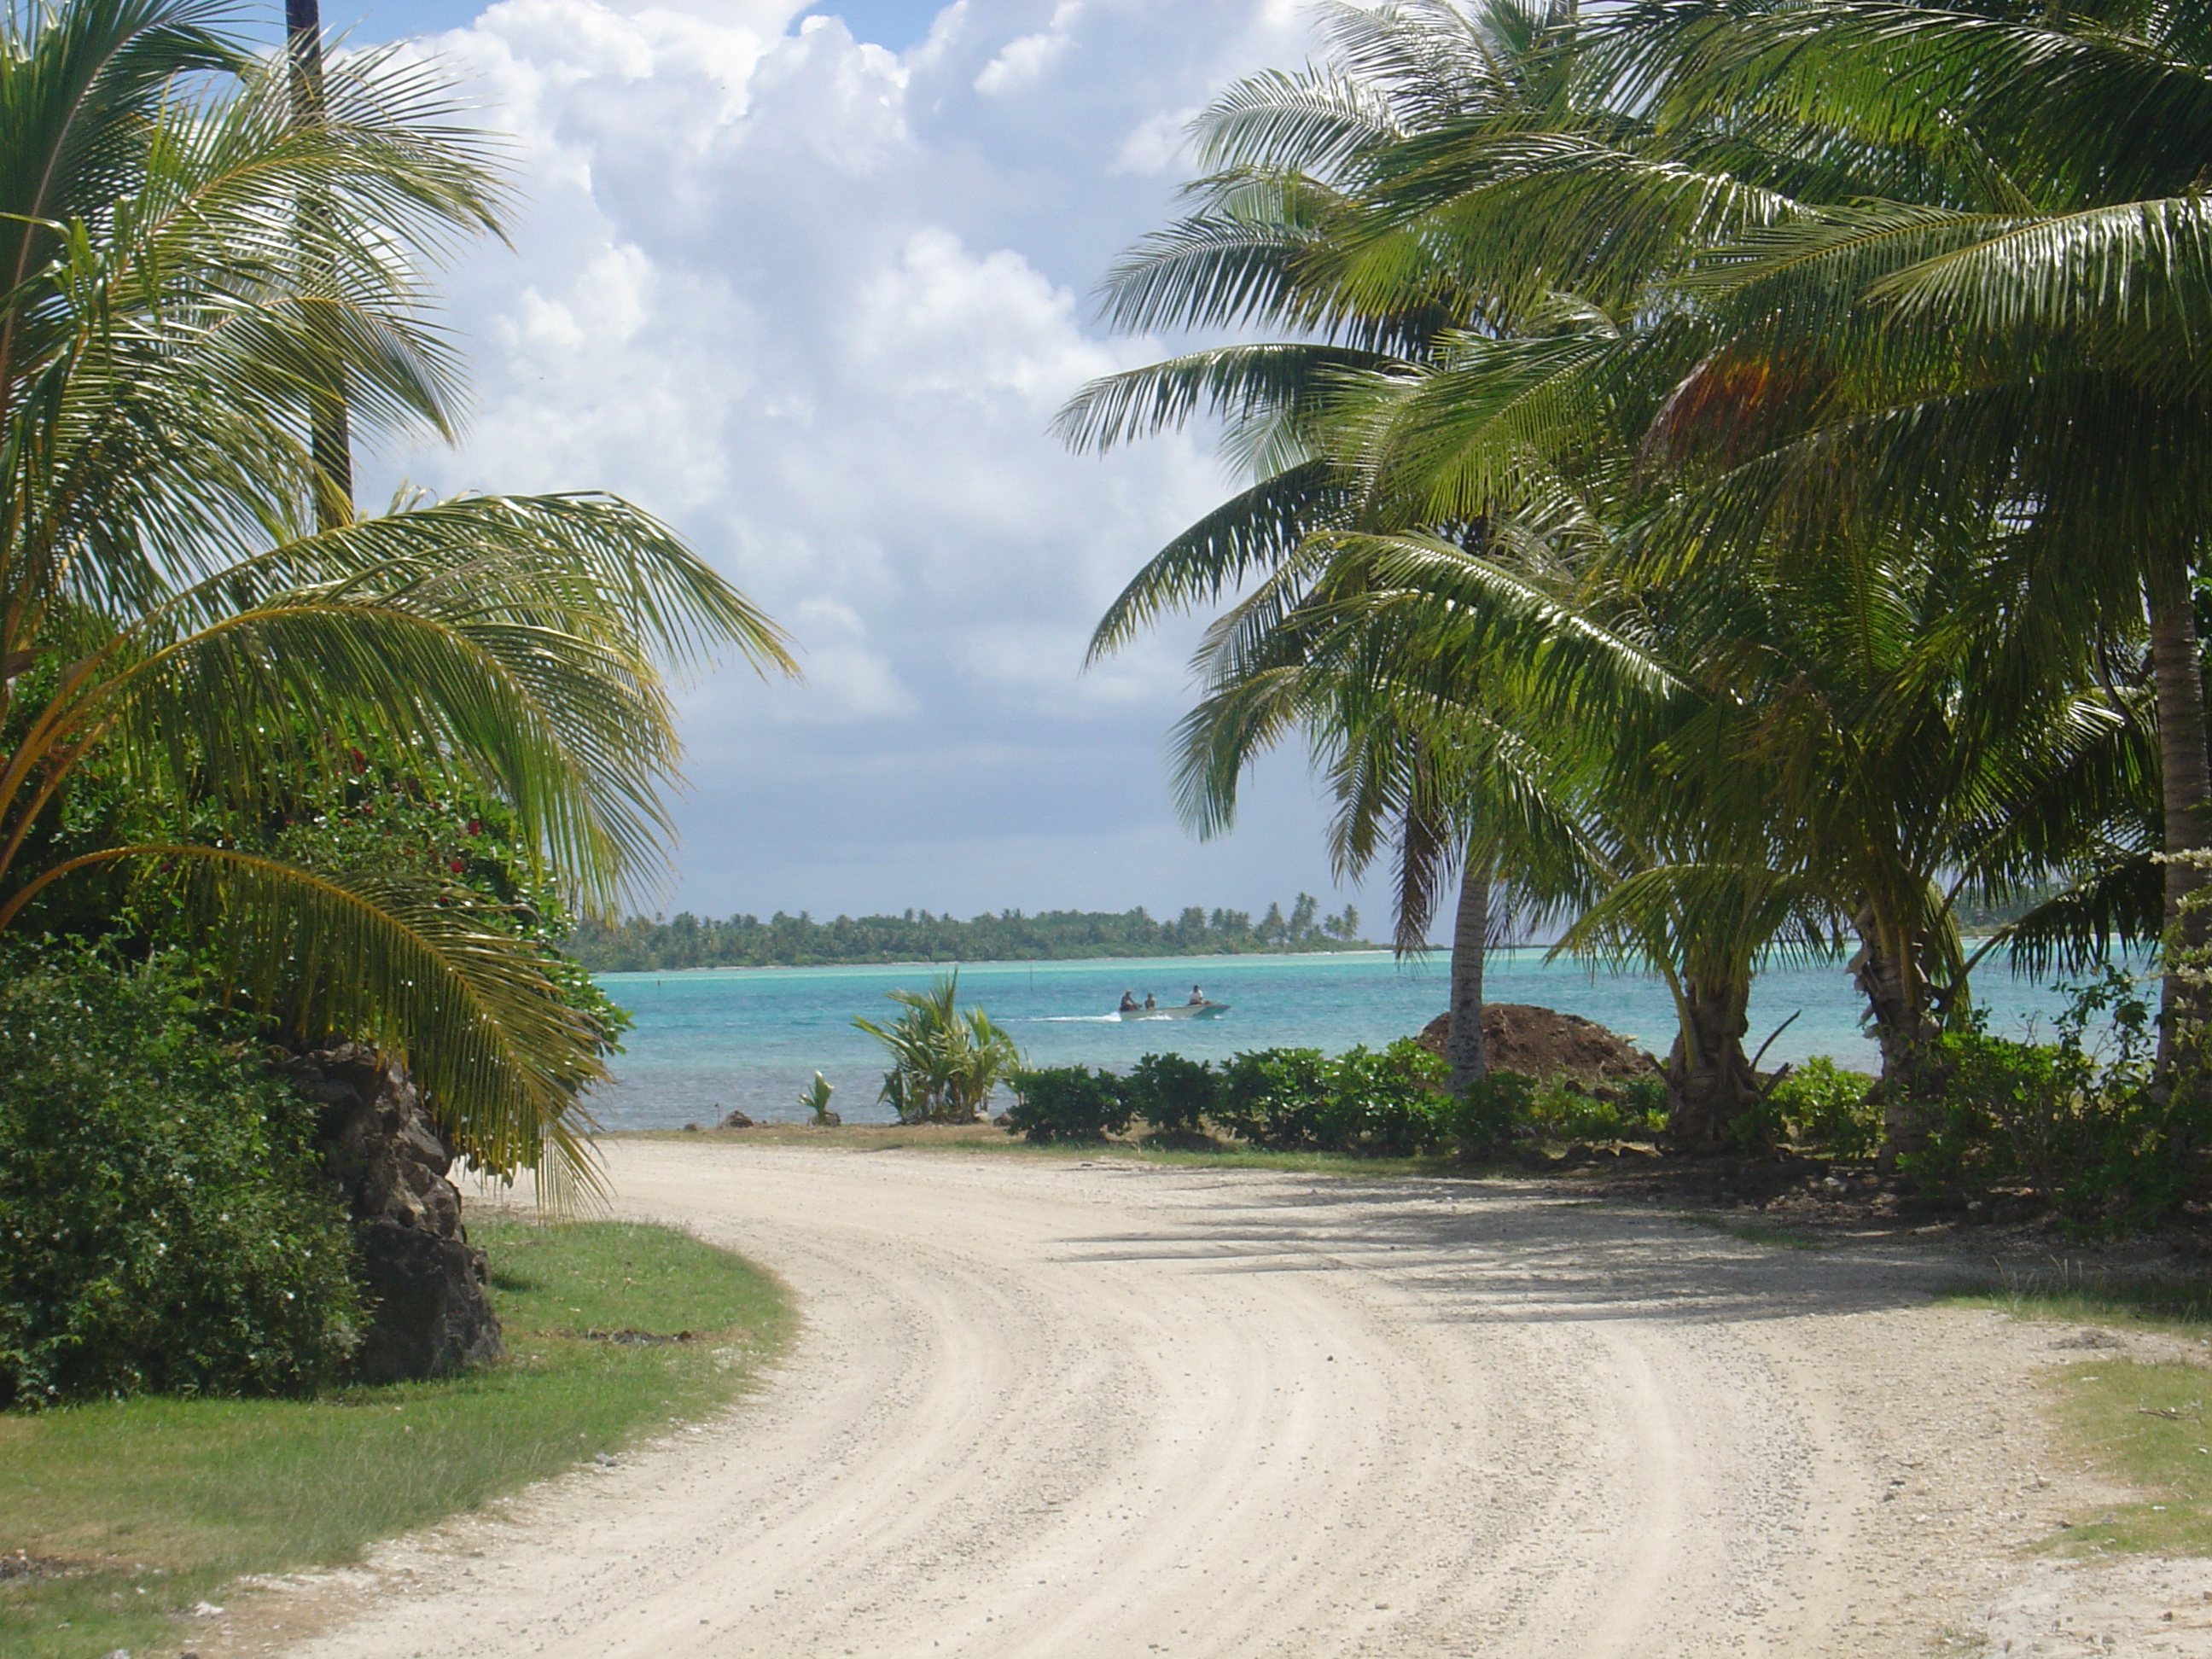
(1045, 1409)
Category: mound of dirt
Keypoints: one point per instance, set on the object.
(1543, 1042)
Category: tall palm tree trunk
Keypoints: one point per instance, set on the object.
(1463, 1049)
(1710, 1083)
(1889, 976)
(2186, 772)
(329, 431)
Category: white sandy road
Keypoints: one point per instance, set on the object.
(1046, 1408)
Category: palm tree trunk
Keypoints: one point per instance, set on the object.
(1888, 974)
(2186, 772)
(329, 430)
(1710, 1083)
(1463, 1050)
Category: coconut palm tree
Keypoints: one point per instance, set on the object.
(2005, 329)
(945, 1060)
(1278, 240)
(169, 609)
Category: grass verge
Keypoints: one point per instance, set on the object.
(126, 1513)
(986, 1137)
(1759, 1232)
(2142, 1422)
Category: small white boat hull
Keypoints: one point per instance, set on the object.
(1178, 1011)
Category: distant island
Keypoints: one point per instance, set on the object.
(651, 944)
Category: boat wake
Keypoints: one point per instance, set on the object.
(1062, 1020)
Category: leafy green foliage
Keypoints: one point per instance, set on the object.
(1822, 1107)
(1562, 1110)
(1276, 1098)
(2076, 1123)
(1174, 1094)
(1482, 1120)
(191, 606)
(162, 1225)
(1067, 1102)
(1389, 1103)
(944, 1060)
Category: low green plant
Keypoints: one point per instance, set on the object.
(1173, 1094)
(1389, 1103)
(2078, 1123)
(173, 1497)
(162, 1226)
(1278, 1099)
(1374, 1104)
(1067, 1102)
(1482, 1120)
(815, 1099)
(1562, 1110)
(1820, 1106)
(945, 1060)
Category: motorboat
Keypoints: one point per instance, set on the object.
(1206, 1009)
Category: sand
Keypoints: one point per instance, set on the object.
(1046, 1407)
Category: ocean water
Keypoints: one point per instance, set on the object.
(752, 1038)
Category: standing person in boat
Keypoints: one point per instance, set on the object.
(1149, 1003)
(1197, 997)
(1128, 1003)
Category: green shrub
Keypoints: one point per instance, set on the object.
(1482, 1120)
(2076, 1122)
(162, 1226)
(1391, 1104)
(1385, 1105)
(1176, 1095)
(1278, 1099)
(1644, 1099)
(1822, 1107)
(1067, 1102)
(1562, 1110)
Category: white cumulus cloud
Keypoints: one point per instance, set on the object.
(815, 303)
(1022, 60)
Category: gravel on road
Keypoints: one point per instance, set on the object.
(1042, 1407)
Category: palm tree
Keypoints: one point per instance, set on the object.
(1709, 371)
(168, 608)
(944, 1060)
(1278, 239)
(2004, 329)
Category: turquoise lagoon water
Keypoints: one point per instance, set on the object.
(752, 1038)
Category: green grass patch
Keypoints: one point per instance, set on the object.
(139, 1508)
(986, 1137)
(2180, 1307)
(2142, 1422)
(1757, 1232)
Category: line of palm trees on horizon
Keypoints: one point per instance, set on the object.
(1725, 477)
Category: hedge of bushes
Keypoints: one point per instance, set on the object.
(161, 1223)
(1392, 1103)
(1389, 1102)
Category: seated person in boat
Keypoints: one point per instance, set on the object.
(1197, 997)
(1128, 1003)
(1149, 1003)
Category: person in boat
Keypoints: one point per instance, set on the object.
(1128, 1003)
(1149, 1003)
(1197, 998)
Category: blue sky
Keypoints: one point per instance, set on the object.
(809, 283)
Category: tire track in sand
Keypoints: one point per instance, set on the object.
(1042, 1408)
